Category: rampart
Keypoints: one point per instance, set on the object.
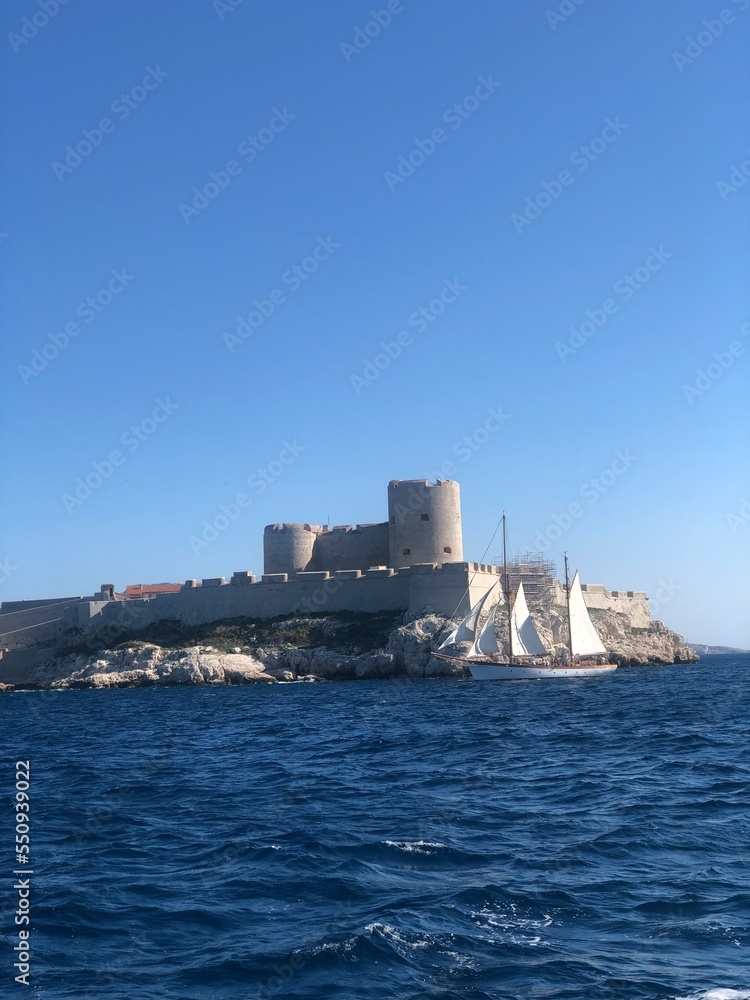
(447, 590)
(633, 603)
(34, 623)
(307, 592)
(412, 562)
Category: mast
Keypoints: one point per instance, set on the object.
(567, 601)
(507, 591)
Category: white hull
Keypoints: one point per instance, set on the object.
(517, 672)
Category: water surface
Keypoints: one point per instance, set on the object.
(567, 840)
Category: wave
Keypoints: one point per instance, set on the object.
(718, 994)
(415, 846)
(465, 843)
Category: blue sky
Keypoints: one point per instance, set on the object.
(305, 128)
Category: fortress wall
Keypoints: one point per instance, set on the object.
(444, 589)
(449, 589)
(8, 606)
(351, 547)
(288, 548)
(200, 605)
(424, 521)
(633, 603)
(38, 624)
(635, 607)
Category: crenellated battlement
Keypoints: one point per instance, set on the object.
(424, 525)
(409, 563)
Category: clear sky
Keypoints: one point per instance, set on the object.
(506, 168)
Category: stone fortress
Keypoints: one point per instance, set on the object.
(410, 563)
(423, 527)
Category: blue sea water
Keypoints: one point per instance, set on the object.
(444, 839)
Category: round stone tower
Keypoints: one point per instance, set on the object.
(288, 548)
(424, 522)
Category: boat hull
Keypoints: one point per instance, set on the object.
(518, 672)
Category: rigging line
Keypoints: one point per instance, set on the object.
(481, 561)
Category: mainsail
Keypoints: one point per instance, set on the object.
(466, 630)
(584, 639)
(526, 641)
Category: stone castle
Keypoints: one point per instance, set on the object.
(423, 526)
(411, 562)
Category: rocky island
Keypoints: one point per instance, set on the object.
(345, 646)
(351, 602)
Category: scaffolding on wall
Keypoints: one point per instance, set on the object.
(538, 576)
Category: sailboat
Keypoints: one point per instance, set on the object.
(527, 656)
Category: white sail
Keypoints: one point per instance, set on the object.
(466, 630)
(583, 636)
(486, 642)
(526, 641)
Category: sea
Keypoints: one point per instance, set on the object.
(396, 840)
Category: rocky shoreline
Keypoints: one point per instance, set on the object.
(319, 648)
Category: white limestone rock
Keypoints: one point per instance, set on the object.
(151, 665)
(407, 653)
(412, 644)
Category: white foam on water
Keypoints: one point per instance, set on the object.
(413, 846)
(403, 943)
(464, 961)
(517, 930)
(718, 994)
(339, 947)
(394, 935)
